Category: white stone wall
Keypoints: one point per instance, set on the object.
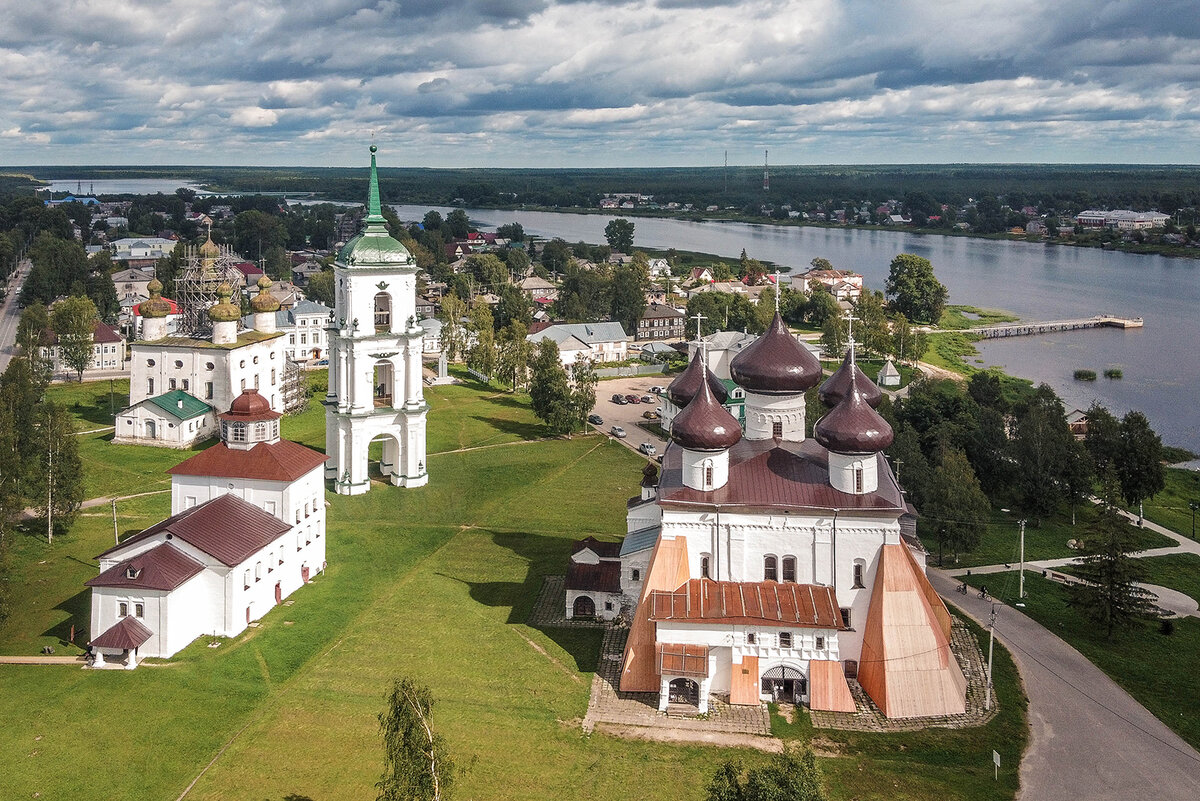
(169, 431)
(154, 365)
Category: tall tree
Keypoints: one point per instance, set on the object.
(58, 481)
(458, 224)
(73, 321)
(417, 761)
(1140, 468)
(320, 288)
(792, 775)
(955, 506)
(453, 332)
(549, 390)
(1109, 593)
(583, 390)
(513, 353)
(913, 290)
(481, 353)
(1103, 438)
(1042, 448)
(619, 235)
(628, 298)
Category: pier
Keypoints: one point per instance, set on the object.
(1049, 327)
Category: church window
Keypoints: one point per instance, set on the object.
(243, 384)
(281, 551)
(256, 380)
(608, 606)
(704, 566)
(237, 432)
(149, 386)
(242, 363)
(258, 571)
(149, 362)
(186, 385)
(245, 579)
(208, 390)
(789, 568)
(297, 515)
(859, 565)
(260, 431)
(139, 610)
(123, 609)
(858, 480)
(256, 360)
(209, 366)
(306, 508)
(635, 575)
(298, 545)
(845, 610)
(777, 429)
(171, 383)
(785, 639)
(751, 638)
(820, 644)
(272, 376)
(178, 364)
(383, 312)
(272, 355)
(770, 569)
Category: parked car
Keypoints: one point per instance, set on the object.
(595, 419)
(619, 400)
(657, 390)
(648, 448)
(323, 363)
(650, 414)
(617, 432)
(647, 399)
(633, 399)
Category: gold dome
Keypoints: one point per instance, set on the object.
(224, 311)
(264, 301)
(156, 306)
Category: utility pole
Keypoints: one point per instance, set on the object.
(1021, 580)
(116, 536)
(49, 487)
(987, 698)
(1193, 505)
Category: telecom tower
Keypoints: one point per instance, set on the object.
(766, 174)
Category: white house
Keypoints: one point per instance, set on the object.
(779, 571)
(304, 327)
(174, 419)
(844, 285)
(600, 342)
(247, 529)
(108, 352)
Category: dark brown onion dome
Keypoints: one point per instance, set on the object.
(838, 385)
(250, 406)
(156, 307)
(687, 384)
(776, 363)
(650, 475)
(264, 301)
(853, 427)
(704, 424)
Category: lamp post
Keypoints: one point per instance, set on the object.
(1193, 505)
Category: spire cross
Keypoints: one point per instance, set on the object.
(699, 318)
(850, 318)
(777, 289)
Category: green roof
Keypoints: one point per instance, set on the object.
(374, 247)
(731, 385)
(180, 404)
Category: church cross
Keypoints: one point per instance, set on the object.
(699, 318)
(777, 290)
(850, 318)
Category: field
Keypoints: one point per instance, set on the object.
(1170, 507)
(435, 583)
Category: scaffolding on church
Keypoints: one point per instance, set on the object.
(294, 388)
(207, 267)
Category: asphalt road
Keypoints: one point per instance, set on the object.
(630, 415)
(10, 314)
(1090, 739)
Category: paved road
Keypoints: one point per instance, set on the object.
(1090, 739)
(10, 314)
(630, 415)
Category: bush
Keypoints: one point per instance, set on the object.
(1113, 372)
(1167, 627)
(1085, 375)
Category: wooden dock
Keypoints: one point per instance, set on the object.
(1052, 326)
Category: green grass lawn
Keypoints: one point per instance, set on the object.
(871, 368)
(1179, 571)
(955, 317)
(1169, 508)
(1000, 542)
(1158, 670)
(435, 583)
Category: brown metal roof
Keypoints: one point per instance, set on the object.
(704, 424)
(161, 568)
(776, 363)
(677, 659)
(270, 461)
(773, 474)
(226, 528)
(853, 426)
(127, 634)
(605, 550)
(761, 603)
(687, 384)
(602, 577)
(837, 386)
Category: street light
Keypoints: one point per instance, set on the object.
(1193, 505)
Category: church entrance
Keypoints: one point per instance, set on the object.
(383, 457)
(584, 607)
(304, 574)
(278, 592)
(683, 691)
(151, 430)
(785, 684)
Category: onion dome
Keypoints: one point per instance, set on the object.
(687, 384)
(264, 301)
(156, 306)
(776, 363)
(209, 250)
(650, 475)
(224, 311)
(704, 424)
(250, 407)
(853, 426)
(374, 247)
(837, 386)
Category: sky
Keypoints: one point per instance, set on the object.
(561, 83)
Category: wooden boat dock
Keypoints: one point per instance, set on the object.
(1052, 326)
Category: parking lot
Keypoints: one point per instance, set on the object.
(630, 415)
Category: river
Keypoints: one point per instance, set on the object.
(1161, 362)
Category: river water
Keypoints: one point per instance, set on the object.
(1160, 362)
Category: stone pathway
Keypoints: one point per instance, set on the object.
(868, 717)
(611, 707)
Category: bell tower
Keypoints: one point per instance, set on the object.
(375, 390)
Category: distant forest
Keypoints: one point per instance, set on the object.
(1051, 188)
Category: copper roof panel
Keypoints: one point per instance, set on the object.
(161, 568)
(767, 603)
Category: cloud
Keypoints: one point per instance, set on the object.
(597, 82)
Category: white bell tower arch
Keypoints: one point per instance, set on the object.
(375, 390)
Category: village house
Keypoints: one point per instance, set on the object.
(141, 252)
(132, 282)
(660, 321)
(108, 353)
(304, 326)
(844, 285)
(600, 342)
(535, 288)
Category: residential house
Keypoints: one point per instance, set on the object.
(660, 321)
(600, 342)
(108, 353)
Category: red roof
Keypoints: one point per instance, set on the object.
(101, 332)
(270, 461)
(226, 528)
(250, 407)
(766, 603)
(602, 577)
(163, 567)
(126, 635)
(137, 310)
(248, 268)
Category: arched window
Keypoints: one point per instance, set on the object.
(777, 429)
(383, 312)
(859, 570)
(258, 571)
(704, 566)
(708, 474)
(789, 568)
(858, 480)
(770, 568)
(260, 431)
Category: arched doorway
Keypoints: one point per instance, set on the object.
(785, 684)
(683, 691)
(584, 607)
(151, 430)
(278, 592)
(383, 457)
(384, 384)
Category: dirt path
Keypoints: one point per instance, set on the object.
(719, 739)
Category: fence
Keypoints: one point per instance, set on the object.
(632, 370)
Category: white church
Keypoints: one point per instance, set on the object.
(764, 565)
(247, 529)
(375, 382)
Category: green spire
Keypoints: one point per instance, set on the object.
(374, 211)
